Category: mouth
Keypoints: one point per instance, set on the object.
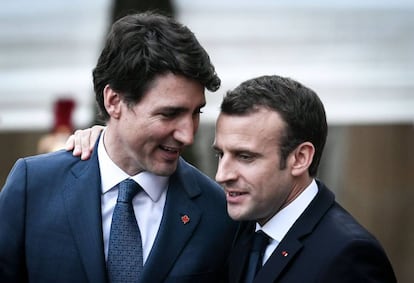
(169, 149)
(235, 194)
(235, 197)
(170, 153)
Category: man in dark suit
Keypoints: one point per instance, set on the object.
(56, 211)
(270, 135)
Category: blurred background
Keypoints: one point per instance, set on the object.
(357, 55)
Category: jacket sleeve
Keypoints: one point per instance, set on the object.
(12, 225)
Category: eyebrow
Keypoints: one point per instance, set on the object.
(215, 147)
(180, 108)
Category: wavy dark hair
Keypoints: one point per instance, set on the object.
(300, 108)
(142, 46)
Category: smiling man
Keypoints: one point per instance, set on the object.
(135, 211)
(269, 140)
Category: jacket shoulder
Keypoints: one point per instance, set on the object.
(44, 167)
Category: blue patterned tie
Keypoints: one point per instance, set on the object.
(125, 260)
(260, 242)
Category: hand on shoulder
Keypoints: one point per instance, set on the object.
(83, 141)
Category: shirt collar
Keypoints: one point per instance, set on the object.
(278, 226)
(112, 175)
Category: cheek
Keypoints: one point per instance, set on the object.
(156, 130)
(258, 183)
(266, 184)
(261, 174)
(279, 188)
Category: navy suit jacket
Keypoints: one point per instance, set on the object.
(325, 245)
(51, 225)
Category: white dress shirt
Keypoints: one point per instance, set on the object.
(148, 204)
(278, 226)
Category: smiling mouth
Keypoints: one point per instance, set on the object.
(169, 149)
(236, 194)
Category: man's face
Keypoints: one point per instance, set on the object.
(248, 167)
(151, 135)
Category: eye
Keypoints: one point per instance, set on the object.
(245, 157)
(218, 154)
(170, 113)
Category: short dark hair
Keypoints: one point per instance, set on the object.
(142, 46)
(299, 107)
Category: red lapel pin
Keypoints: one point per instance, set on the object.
(185, 219)
(284, 253)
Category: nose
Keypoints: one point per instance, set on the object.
(185, 131)
(224, 173)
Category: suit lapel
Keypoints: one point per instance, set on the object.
(180, 218)
(278, 261)
(82, 201)
(291, 244)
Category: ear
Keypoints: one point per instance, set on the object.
(302, 158)
(112, 102)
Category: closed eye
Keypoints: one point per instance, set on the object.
(171, 112)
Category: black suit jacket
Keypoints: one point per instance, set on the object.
(51, 226)
(326, 245)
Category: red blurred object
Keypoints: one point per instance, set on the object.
(63, 110)
(62, 126)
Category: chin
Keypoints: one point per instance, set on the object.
(236, 216)
(165, 170)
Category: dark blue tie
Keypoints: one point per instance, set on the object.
(125, 261)
(260, 241)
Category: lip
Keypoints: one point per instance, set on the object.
(235, 197)
(170, 153)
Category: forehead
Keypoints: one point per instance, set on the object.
(255, 129)
(170, 89)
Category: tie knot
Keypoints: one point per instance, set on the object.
(260, 241)
(128, 188)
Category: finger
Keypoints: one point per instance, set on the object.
(84, 137)
(95, 132)
(70, 143)
(77, 137)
